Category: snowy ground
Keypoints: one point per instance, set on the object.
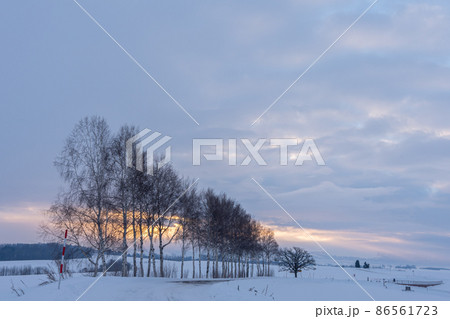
(324, 283)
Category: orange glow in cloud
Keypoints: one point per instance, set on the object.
(290, 234)
(24, 213)
(20, 223)
(398, 245)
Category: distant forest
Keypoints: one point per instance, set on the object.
(37, 252)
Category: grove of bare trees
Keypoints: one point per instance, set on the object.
(109, 207)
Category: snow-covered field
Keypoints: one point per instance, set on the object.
(324, 283)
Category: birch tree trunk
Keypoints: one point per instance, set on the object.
(155, 274)
(207, 263)
(124, 244)
(223, 267)
(253, 264)
(150, 236)
(103, 262)
(161, 256)
(248, 268)
(101, 240)
(217, 264)
(141, 238)
(193, 260)
(199, 262)
(134, 244)
(263, 266)
(183, 248)
(96, 265)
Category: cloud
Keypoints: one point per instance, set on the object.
(20, 224)
(376, 104)
(406, 246)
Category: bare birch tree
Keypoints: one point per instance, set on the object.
(123, 176)
(86, 165)
(189, 212)
(166, 189)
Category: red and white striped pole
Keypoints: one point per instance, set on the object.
(62, 260)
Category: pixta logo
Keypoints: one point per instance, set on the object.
(308, 151)
(143, 146)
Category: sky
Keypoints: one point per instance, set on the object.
(375, 104)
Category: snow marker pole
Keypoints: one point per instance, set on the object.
(62, 260)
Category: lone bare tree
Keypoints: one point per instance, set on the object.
(295, 259)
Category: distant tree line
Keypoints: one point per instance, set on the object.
(41, 251)
(109, 206)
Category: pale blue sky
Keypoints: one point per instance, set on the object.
(376, 105)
